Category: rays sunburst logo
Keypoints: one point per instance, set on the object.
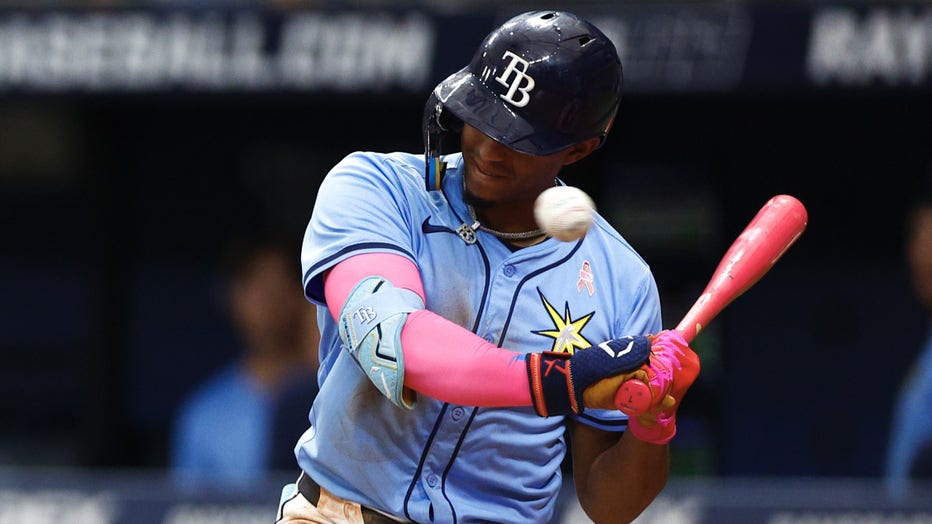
(567, 332)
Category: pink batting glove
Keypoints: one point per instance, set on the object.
(672, 369)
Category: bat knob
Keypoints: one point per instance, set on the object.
(633, 397)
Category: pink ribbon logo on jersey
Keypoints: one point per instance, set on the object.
(585, 278)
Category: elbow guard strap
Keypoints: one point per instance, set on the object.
(370, 329)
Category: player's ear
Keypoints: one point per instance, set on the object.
(581, 150)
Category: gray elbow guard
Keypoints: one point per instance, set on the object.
(370, 328)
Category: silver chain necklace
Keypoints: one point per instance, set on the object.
(476, 225)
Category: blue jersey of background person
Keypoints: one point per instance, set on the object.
(442, 462)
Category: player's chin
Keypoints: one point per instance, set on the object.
(481, 190)
(477, 200)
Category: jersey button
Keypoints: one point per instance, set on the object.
(457, 413)
(509, 270)
(433, 480)
(489, 338)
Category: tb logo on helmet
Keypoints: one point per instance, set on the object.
(518, 66)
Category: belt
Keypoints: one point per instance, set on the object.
(311, 491)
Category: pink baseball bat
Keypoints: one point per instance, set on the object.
(769, 234)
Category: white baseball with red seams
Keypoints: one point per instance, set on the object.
(564, 212)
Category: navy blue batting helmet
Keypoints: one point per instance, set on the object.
(541, 82)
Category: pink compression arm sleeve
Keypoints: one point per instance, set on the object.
(442, 360)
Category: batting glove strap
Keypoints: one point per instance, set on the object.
(660, 431)
(610, 358)
(551, 384)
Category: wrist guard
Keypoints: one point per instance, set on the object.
(558, 380)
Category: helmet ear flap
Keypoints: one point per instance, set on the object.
(450, 123)
(437, 123)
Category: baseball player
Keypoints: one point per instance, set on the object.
(458, 341)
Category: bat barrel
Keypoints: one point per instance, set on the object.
(763, 241)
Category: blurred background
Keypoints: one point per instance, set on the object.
(139, 140)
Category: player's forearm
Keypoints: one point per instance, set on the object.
(464, 369)
(623, 480)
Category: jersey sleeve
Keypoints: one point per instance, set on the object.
(361, 207)
(644, 319)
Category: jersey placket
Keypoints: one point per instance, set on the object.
(443, 451)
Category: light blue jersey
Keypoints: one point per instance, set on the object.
(442, 462)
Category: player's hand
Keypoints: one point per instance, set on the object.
(673, 368)
(601, 395)
(560, 382)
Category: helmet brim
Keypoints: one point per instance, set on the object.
(464, 95)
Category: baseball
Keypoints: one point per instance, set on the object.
(564, 212)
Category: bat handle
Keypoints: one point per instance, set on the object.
(700, 314)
